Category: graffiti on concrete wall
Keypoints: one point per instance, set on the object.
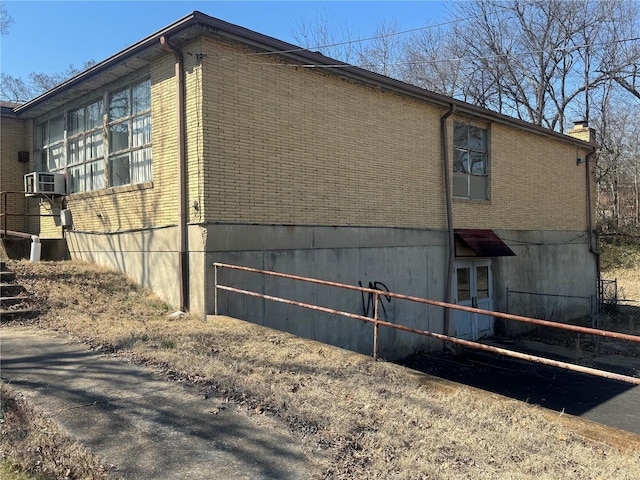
(369, 298)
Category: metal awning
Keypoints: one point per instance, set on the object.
(480, 243)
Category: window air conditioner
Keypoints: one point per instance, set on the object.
(44, 183)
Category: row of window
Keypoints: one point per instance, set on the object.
(76, 140)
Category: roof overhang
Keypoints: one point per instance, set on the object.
(480, 243)
(196, 23)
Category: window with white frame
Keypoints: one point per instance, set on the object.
(77, 140)
(85, 148)
(470, 162)
(129, 130)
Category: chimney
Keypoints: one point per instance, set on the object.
(582, 131)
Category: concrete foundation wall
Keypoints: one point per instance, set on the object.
(404, 260)
(407, 261)
(148, 256)
(551, 263)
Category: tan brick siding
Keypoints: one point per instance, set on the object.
(290, 145)
(535, 185)
(12, 141)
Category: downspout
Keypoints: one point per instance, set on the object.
(447, 192)
(593, 247)
(183, 264)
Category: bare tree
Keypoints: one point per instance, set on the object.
(5, 20)
(384, 52)
(617, 162)
(433, 60)
(324, 35)
(21, 90)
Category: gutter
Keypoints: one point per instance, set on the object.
(449, 208)
(183, 263)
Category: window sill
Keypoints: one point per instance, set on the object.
(111, 191)
(471, 200)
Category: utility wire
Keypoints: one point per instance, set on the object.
(451, 59)
(376, 37)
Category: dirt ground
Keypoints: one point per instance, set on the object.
(364, 419)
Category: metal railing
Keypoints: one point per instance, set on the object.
(467, 343)
(5, 214)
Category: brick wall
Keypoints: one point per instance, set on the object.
(535, 185)
(12, 141)
(289, 145)
(285, 144)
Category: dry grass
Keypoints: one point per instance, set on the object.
(35, 448)
(621, 260)
(359, 418)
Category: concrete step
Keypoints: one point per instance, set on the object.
(17, 314)
(11, 290)
(7, 276)
(6, 302)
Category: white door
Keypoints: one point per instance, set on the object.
(473, 287)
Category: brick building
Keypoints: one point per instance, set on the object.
(209, 142)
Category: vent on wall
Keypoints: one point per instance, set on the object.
(43, 183)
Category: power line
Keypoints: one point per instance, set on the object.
(452, 59)
(375, 37)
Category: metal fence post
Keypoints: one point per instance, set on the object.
(508, 324)
(215, 289)
(375, 326)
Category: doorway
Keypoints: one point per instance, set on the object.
(473, 287)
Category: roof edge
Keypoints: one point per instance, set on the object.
(296, 53)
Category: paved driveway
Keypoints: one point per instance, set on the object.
(148, 427)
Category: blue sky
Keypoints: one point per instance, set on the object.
(48, 36)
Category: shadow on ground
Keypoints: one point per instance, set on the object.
(606, 401)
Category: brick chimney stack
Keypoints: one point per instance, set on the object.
(582, 131)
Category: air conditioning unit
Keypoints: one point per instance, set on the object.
(44, 183)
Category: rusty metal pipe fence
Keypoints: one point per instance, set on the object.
(467, 343)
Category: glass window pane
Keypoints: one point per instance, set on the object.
(460, 185)
(56, 157)
(40, 159)
(478, 163)
(95, 146)
(464, 286)
(141, 131)
(460, 161)
(94, 115)
(141, 166)
(141, 97)
(460, 135)
(77, 179)
(76, 150)
(56, 130)
(119, 105)
(95, 175)
(40, 139)
(478, 139)
(75, 122)
(119, 171)
(119, 137)
(482, 282)
(479, 187)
